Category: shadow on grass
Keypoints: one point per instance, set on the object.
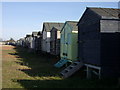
(42, 66)
(67, 83)
(39, 64)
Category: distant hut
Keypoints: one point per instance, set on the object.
(17, 43)
(99, 41)
(55, 40)
(28, 41)
(34, 37)
(47, 26)
(21, 42)
(38, 42)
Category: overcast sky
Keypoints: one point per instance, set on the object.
(21, 18)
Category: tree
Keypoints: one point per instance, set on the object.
(11, 40)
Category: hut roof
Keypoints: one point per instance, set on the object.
(39, 33)
(28, 35)
(107, 13)
(59, 27)
(34, 34)
(73, 24)
(48, 26)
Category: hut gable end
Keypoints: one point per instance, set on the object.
(34, 34)
(89, 17)
(70, 26)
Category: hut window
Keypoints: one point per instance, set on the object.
(48, 34)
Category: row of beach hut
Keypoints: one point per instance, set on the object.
(93, 42)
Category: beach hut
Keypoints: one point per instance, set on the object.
(38, 42)
(21, 42)
(33, 43)
(99, 41)
(68, 43)
(47, 26)
(55, 40)
(28, 41)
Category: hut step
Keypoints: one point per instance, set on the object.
(61, 63)
(71, 69)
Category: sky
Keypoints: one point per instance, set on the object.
(21, 18)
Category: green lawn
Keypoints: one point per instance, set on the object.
(22, 69)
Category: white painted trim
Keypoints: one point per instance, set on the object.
(89, 70)
(92, 66)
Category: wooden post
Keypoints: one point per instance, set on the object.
(99, 73)
(88, 73)
(89, 70)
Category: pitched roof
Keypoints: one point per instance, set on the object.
(106, 13)
(59, 27)
(48, 25)
(28, 35)
(39, 33)
(73, 25)
(34, 33)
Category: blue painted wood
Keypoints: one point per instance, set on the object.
(61, 62)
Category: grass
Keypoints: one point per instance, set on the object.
(22, 69)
